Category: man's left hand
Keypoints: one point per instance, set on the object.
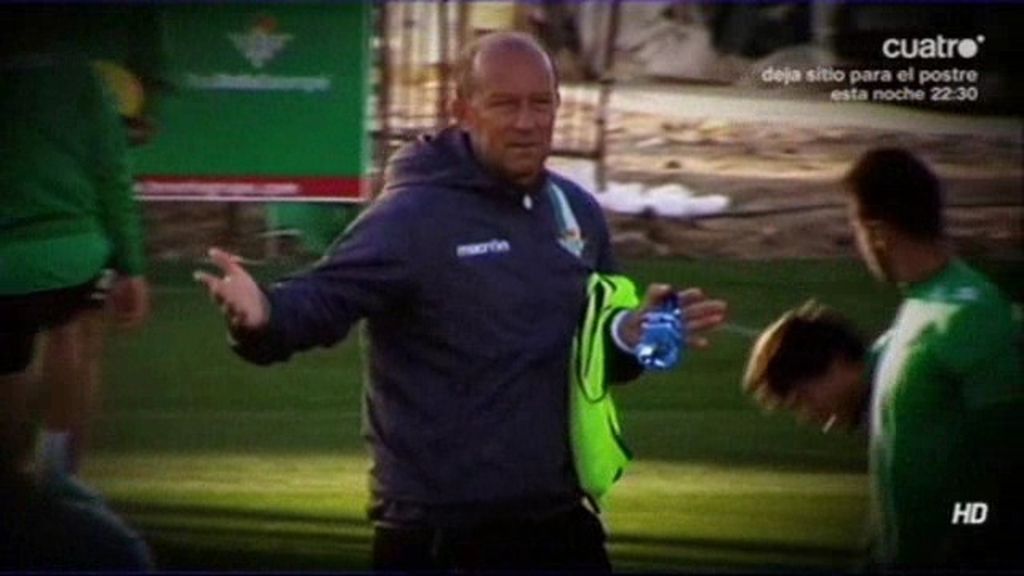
(700, 313)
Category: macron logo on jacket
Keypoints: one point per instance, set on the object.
(494, 246)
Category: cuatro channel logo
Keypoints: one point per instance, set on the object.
(938, 47)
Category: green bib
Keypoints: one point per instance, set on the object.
(599, 453)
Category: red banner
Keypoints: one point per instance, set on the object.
(251, 189)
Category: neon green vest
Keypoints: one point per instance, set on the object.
(599, 453)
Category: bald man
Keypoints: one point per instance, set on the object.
(471, 271)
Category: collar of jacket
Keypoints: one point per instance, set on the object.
(487, 181)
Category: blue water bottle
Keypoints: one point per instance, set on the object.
(664, 340)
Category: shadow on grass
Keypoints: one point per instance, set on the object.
(192, 537)
(631, 553)
(193, 512)
(745, 547)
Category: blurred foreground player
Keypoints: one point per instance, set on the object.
(41, 528)
(942, 391)
(70, 359)
(67, 210)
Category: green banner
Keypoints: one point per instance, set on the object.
(267, 102)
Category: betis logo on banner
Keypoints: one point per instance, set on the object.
(269, 104)
(259, 45)
(261, 42)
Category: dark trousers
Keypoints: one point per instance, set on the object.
(23, 316)
(567, 541)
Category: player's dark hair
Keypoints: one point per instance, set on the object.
(808, 346)
(896, 187)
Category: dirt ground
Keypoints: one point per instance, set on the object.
(768, 170)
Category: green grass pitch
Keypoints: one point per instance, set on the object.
(222, 465)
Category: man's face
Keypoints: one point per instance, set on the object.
(510, 115)
(832, 398)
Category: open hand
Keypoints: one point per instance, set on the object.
(240, 299)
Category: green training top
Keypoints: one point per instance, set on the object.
(948, 399)
(66, 204)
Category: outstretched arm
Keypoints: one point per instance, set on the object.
(370, 271)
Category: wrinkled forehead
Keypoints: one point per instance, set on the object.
(513, 68)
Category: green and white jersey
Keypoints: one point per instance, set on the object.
(951, 359)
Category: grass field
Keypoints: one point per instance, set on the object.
(222, 465)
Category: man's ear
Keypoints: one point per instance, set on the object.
(878, 235)
(459, 109)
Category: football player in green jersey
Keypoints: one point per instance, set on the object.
(941, 393)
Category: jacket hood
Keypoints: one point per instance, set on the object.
(443, 160)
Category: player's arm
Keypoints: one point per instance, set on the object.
(984, 349)
(119, 212)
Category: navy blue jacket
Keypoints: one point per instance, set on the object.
(471, 304)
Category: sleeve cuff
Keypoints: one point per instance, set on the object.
(616, 337)
(263, 346)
